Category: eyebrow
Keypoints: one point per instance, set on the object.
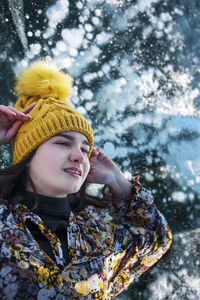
(71, 138)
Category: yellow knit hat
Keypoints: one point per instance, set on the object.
(42, 83)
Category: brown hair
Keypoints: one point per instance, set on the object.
(13, 182)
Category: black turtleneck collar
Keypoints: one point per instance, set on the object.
(55, 213)
(48, 205)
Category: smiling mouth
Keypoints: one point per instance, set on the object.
(75, 172)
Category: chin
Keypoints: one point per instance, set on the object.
(75, 189)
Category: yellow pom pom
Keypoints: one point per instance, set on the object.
(44, 80)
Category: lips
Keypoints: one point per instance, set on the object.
(73, 171)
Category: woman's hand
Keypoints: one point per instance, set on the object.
(103, 170)
(10, 121)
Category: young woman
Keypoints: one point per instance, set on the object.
(55, 240)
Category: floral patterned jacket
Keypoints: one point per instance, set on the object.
(105, 257)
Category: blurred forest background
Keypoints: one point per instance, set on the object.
(136, 71)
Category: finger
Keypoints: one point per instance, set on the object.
(94, 157)
(97, 154)
(19, 114)
(100, 154)
(94, 152)
(28, 109)
(6, 110)
(97, 150)
(13, 130)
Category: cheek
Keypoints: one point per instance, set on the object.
(87, 167)
(43, 164)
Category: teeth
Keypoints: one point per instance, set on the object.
(72, 171)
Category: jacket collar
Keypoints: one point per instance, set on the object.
(83, 247)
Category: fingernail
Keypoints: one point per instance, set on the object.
(12, 112)
(24, 115)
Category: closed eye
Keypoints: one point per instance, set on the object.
(85, 150)
(63, 143)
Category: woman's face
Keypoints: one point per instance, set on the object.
(60, 165)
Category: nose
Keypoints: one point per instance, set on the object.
(76, 156)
